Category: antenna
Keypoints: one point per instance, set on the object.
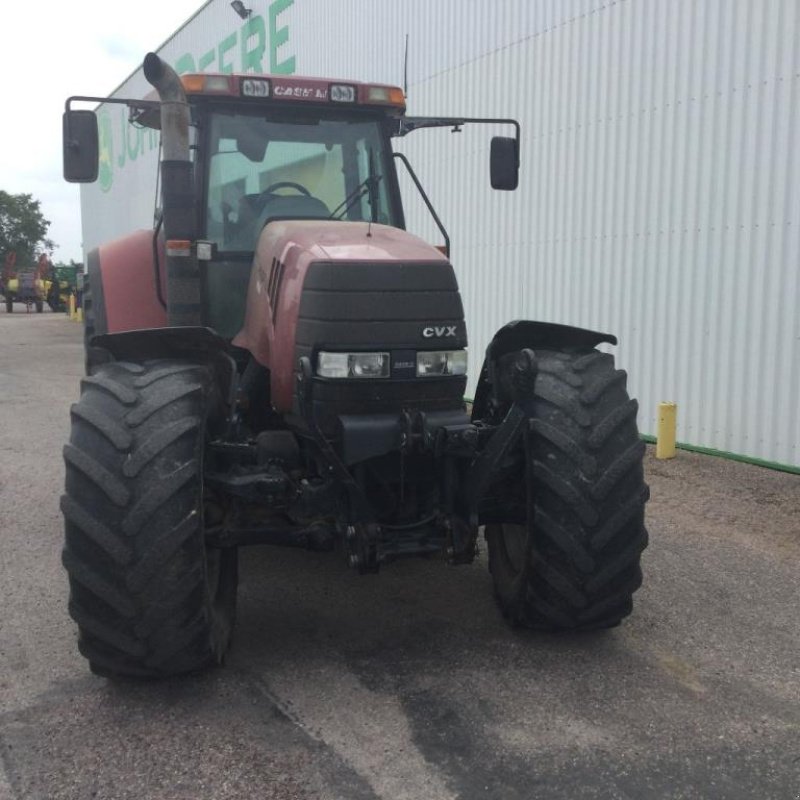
(405, 70)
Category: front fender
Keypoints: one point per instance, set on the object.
(522, 333)
(195, 344)
(123, 283)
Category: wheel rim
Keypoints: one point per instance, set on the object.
(514, 540)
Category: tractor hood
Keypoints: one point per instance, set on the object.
(324, 284)
(331, 240)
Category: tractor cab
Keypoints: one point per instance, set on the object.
(300, 156)
(272, 148)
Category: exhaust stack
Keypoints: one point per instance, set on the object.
(177, 194)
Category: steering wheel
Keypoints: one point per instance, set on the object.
(286, 185)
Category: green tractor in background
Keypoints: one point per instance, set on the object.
(63, 282)
(42, 283)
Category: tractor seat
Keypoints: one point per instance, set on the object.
(255, 212)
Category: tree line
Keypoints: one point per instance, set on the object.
(23, 228)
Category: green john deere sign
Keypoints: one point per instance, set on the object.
(253, 47)
(105, 174)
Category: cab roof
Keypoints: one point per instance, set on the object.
(273, 89)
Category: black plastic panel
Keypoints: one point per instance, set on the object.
(332, 398)
(382, 276)
(387, 305)
(98, 297)
(226, 286)
(380, 306)
(381, 335)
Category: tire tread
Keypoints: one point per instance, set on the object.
(588, 531)
(134, 548)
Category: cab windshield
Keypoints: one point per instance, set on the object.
(307, 168)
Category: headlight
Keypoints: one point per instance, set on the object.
(441, 362)
(353, 365)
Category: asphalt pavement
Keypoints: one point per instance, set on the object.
(407, 685)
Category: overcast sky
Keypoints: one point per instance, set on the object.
(53, 49)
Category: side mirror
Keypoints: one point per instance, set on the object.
(504, 163)
(80, 146)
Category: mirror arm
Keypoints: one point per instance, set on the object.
(405, 125)
(144, 105)
(133, 105)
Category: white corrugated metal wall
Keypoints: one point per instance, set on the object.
(660, 189)
(660, 186)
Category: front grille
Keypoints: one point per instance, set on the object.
(382, 306)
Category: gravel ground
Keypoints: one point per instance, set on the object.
(408, 684)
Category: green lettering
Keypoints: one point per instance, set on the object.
(251, 58)
(133, 147)
(277, 37)
(253, 43)
(106, 160)
(225, 46)
(206, 59)
(123, 133)
(185, 64)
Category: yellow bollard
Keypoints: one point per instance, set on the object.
(665, 441)
(71, 307)
(79, 315)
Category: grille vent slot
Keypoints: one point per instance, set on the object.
(274, 286)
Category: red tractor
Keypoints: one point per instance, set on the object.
(280, 362)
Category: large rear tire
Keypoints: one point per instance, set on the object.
(569, 556)
(150, 599)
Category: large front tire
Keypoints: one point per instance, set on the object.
(150, 599)
(569, 556)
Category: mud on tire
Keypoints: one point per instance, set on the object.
(576, 565)
(149, 598)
